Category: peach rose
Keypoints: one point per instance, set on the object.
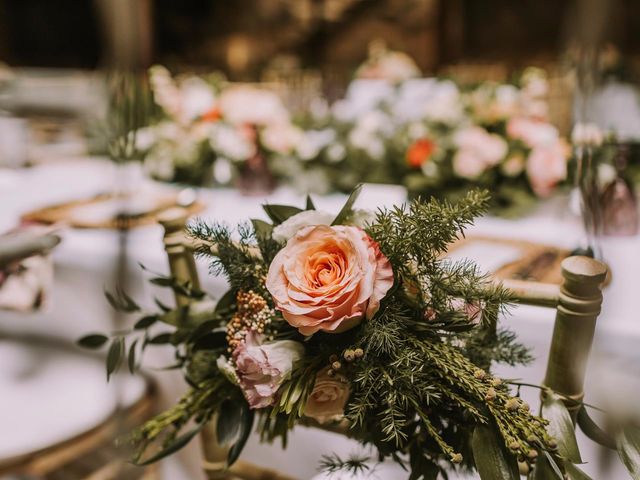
(328, 397)
(329, 278)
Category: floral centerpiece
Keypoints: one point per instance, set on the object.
(176, 146)
(202, 120)
(351, 321)
(439, 139)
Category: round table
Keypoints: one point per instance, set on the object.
(57, 406)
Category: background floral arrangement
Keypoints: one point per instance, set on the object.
(339, 321)
(439, 139)
(430, 135)
(204, 120)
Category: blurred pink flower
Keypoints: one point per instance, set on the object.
(546, 167)
(533, 133)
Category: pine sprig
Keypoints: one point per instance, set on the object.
(354, 464)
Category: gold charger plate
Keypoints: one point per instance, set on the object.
(63, 213)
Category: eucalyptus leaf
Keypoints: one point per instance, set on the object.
(546, 469)
(246, 425)
(280, 213)
(347, 209)
(145, 322)
(173, 447)
(628, 443)
(121, 302)
(160, 339)
(161, 281)
(561, 426)
(131, 358)
(262, 228)
(114, 356)
(491, 458)
(93, 341)
(593, 431)
(574, 473)
(161, 305)
(229, 421)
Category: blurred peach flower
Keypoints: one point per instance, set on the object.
(328, 397)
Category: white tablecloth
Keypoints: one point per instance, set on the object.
(85, 265)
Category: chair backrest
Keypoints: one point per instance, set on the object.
(577, 302)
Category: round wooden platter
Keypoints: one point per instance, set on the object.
(64, 213)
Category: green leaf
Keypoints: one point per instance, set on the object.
(561, 426)
(226, 302)
(161, 281)
(309, 205)
(211, 341)
(145, 322)
(246, 425)
(347, 209)
(492, 460)
(203, 329)
(93, 341)
(280, 213)
(182, 289)
(161, 305)
(121, 302)
(546, 468)
(262, 228)
(173, 447)
(593, 431)
(629, 450)
(230, 417)
(114, 356)
(574, 473)
(160, 339)
(131, 358)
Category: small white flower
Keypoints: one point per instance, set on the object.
(430, 169)
(313, 142)
(417, 130)
(145, 138)
(288, 228)
(197, 99)
(281, 137)
(361, 218)
(336, 152)
(231, 143)
(587, 134)
(606, 174)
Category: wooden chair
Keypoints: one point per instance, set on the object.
(577, 302)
